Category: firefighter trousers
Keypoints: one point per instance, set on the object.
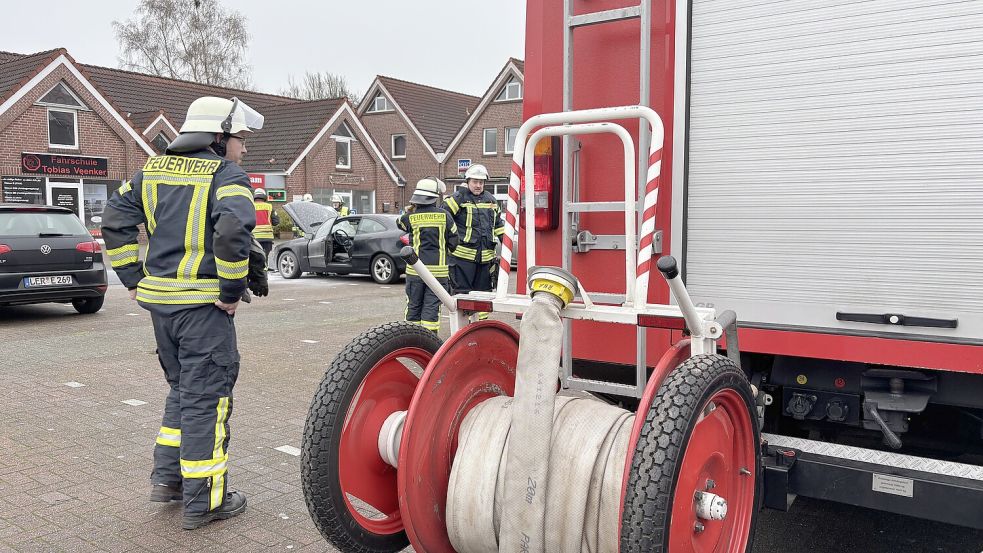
(422, 305)
(469, 276)
(197, 350)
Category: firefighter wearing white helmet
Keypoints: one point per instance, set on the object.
(339, 205)
(478, 227)
(433, 236)
(196, 204)
(266, 219)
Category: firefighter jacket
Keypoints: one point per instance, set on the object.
(478, 224)
(343, 211)
(198, 213)
(266, 219)
(432, 235)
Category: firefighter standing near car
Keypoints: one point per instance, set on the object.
(266, 220)
(339, 206)
(478, 227)
(433, 235)
(197, 207)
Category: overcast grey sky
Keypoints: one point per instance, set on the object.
(454, 44)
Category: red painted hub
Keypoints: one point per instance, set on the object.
(721, 445)
(475, 364)
(387, 388)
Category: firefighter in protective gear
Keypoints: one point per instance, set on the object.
(339, 205)
(197, 206)
(433, 235)
(266, 219)
(478, 227)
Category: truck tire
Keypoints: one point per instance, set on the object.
(341, 393)
(706, 400)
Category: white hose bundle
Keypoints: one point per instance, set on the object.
(538, 473)
(585, 471)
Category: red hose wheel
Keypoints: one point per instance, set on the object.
(350, 491)
(698, 447)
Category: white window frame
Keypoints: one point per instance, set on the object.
(484, 142)
(392, 148)
(81, 105)
(375, 104)
(512, 84)
(75, 117)
(348, 142)
(512, 149)
(158, 135)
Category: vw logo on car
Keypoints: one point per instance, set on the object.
(45, 249)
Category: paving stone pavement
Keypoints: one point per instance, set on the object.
(76, 459)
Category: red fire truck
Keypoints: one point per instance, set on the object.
(812, 173)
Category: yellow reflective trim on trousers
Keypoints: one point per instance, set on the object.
(232, 270)
(231, 190)
(218, 483)
(431, 325)
(194, 233)
(206, 468)
(169, 436)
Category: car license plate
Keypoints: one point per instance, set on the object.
(60, 280)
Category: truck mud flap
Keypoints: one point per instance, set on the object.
(932, 489)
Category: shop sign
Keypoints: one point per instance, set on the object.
(275, 195)
(345, 179)
(463, 165)
(257, 180)
(23, 190)
(65, 166)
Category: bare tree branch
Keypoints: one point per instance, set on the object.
(195, 40)
(317, 86)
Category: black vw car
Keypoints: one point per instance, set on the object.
(361, 244)
(47, 255)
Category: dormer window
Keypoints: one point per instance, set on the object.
(511, 91)
(380, 103)
(63, 106)
(160, 143)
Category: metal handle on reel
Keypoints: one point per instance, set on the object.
(670, 271)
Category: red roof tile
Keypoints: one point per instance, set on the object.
(16, 69)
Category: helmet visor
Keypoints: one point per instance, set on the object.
(252, 118)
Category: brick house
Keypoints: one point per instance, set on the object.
(414, 124)
(71, 133)
(487, 137)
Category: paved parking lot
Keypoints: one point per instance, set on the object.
(80, 404)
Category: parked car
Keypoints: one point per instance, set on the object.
(361, 244)
(47, 255)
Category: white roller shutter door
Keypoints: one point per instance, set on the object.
(836, 162)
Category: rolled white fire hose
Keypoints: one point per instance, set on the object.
(538, 473)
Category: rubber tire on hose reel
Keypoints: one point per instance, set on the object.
(334, 402)
(660, 460)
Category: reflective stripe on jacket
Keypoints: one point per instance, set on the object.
(199, 215)
(264, 221)
(478, 224)
(432, 234)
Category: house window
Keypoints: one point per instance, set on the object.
(380, 103)
(343, 131)
(491, 142)
(63, 128)
(343, 153)
(511, 91)
(399, 146)
(61, 96)
(160, 143)
(510, 134)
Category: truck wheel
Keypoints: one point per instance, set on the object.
(288, 265)
(350, 491)
(700, 437)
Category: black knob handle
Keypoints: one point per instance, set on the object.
(667, 266)
(408, 255)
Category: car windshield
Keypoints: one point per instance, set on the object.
(40, 223)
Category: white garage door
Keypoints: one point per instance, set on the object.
(836, 162)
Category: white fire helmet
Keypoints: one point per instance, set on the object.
(427, 191)
(308, 198)
(259, 193)
(221, 115)
(476, 171)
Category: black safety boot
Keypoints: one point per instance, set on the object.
(235, 504)
(162, 493)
